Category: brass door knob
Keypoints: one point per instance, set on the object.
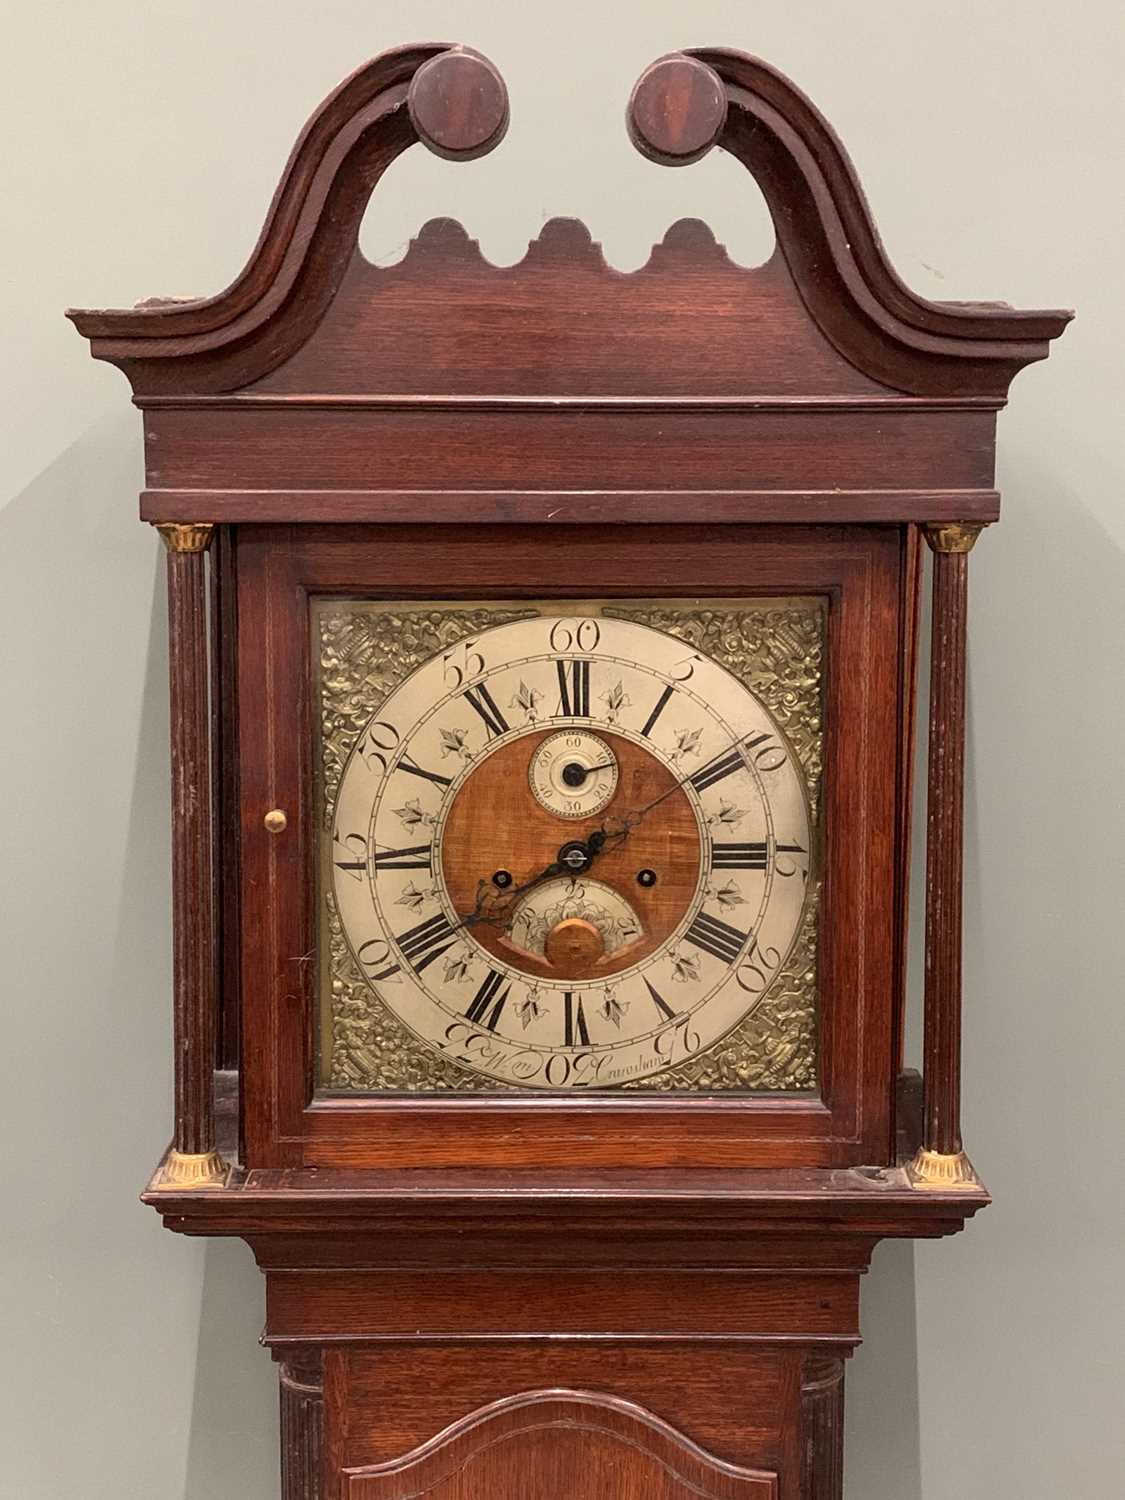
(275, 821)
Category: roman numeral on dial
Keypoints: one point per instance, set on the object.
(661, 704)
(739, 856)
(418, 857)
(767, 754)
(748, 856)
(574, 689)
(717, 770)
(420, 944)
(485, 705)
(716, 937)
(488, 1002)
(574, 1021)
(659, 1001)
(406, 764)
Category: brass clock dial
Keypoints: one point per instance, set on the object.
(570, 851)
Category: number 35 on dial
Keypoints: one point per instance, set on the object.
(570, 851)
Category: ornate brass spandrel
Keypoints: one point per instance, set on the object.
(774, 646)
(364, 650)
(371, 1050)
(773, 1049)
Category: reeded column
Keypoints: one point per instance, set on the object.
(822, 1429)
(193, 1161)
(941, 1162)
(302, 1428)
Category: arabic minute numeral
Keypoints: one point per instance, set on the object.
(373, 956)
(767, 753)
(716, 937)
(757, 968)
(575, 635)
(787, 867)
(461, 664)
(482, 700)
(354, 845)
(377, 742)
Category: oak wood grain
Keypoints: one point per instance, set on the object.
(596, 448)
(557, 1445)
(736, 1402)
(570, 508)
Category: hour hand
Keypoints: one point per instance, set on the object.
(497, 907)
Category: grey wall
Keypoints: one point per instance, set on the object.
(142, 142)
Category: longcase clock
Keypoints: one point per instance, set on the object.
(543, 652)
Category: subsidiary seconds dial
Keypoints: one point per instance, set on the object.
(570, 852)
(573, 773)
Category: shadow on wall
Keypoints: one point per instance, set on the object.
(882, 1446)
(233, 1446)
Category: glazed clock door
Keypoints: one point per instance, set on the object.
(550, 851)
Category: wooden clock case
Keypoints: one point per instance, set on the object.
(549, 1295)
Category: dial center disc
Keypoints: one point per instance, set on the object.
(496, 822)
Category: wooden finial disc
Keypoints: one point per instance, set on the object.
(677, 110)
(459, 105)
(573, 944)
